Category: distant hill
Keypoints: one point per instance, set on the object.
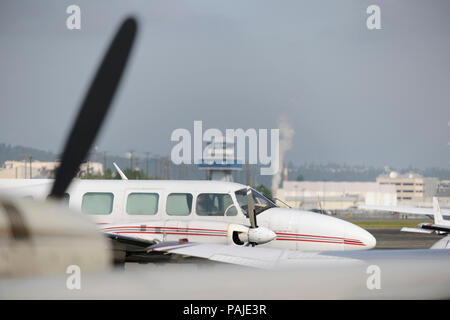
(335, 172)
(158, 167)
(161, 167)
(9, 152)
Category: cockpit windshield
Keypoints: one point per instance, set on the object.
(261, 202)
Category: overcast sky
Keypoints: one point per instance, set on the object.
(353, 95)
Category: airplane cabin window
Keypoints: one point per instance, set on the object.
(142, 203)
(215, 204)
(179, 204)
(97, 203)
(261, 202)
(66, 198)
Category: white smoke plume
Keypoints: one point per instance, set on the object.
(286, 135)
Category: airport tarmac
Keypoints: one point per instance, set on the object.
(392, 238)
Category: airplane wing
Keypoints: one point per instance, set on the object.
(416, 230)
(129, 241)
(272, 258)
(440, 225)
(405, 209)
(129, 249)
(256, 257)
(435, 227)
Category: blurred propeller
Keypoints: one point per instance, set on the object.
(255, 235)
(251, 209)
(95, 106)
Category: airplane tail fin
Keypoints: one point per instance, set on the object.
(438, 219)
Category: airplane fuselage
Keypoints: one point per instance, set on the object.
(174, 210)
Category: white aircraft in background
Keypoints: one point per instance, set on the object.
(440, 225)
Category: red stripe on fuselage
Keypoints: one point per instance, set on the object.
(345, 240)
(310, 235)
(181, 233)
(357, 244)
(172, 228)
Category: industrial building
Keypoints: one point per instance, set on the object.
(443, 193)
(335, 195)
(37, 169)
(411, 188)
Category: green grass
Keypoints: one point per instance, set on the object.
(388, 224)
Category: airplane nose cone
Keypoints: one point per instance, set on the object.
(369, 240)
(359, 238)
(309, 231)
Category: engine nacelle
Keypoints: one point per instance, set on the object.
(261, 235)
(240, 234)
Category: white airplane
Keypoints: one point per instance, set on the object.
(440, 225)
(198, 211)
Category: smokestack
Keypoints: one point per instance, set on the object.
(285, 172)
(286, 134)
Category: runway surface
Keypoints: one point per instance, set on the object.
(395, 239)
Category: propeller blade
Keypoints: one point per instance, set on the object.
(251, 209)
(95, 106)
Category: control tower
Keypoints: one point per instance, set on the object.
(219, 160)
